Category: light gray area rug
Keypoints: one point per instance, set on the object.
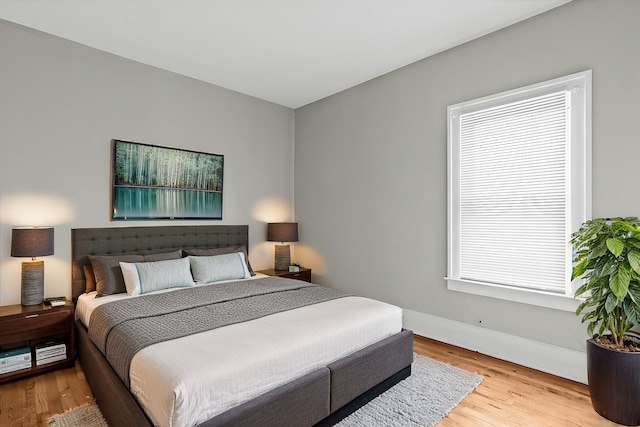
(82, 416)
(431, 392)
(428, 395)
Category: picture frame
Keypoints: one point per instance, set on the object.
(156, 182)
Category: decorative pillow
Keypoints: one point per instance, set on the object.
(221, 251)
(210, 269)
(177, 254)
(145, 277)
(106, 269)
(89, 278)
(107, 272)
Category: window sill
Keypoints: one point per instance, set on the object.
(524, 296)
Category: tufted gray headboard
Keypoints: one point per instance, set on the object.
(146, 240)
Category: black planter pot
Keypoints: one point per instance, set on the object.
(614, 383)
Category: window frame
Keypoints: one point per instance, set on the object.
(579, 86)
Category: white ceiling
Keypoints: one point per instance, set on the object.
(291, 52)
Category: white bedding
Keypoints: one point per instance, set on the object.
(189, 380)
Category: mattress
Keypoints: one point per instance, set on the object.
(186, 381)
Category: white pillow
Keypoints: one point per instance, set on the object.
(145, 277)
(210, 269)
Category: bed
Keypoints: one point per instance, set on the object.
(320, 385)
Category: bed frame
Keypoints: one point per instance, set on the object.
(321, 398)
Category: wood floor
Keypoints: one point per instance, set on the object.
(31, 401)
(512, 395)
(509, 395)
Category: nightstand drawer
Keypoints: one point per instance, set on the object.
(35, 325)
(301, 275)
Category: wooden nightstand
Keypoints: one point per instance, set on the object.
(303, 274)
(34, 326)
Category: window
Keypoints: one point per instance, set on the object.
(519, 184)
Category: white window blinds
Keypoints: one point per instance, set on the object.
(519, 182)
(513, 193)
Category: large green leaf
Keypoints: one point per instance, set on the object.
(610, 266)
(590, 315)
(611, 303)
(582, 289)
(579, 269)
(634, 260)
(598, 286)
(625, 225)
(590, 328)
(582, 306)
(634, 295)
(619, 282)
(631, 311)
(599, 250)
(616, 246)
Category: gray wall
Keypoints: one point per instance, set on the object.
(60, 105)
(370, 178)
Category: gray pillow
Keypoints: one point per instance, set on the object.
(144, 277)
(89, 278)
(107, 272)
(220, 251)
(215, 268)
(177, 254)
(109, 278)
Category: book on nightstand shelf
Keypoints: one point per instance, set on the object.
(50, 352)
(11, 368)
(50, 359)
(13, 360)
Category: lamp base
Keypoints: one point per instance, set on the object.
(283, 257)
(32, 290)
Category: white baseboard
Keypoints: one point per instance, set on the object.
(555, 360)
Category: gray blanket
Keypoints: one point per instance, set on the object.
(122, 328)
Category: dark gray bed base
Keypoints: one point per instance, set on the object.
(320, 398)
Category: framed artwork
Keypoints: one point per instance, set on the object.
(153, 182)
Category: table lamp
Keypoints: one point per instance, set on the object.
(282, 232)
(32, 242)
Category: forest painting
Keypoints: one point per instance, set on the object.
(152, 182)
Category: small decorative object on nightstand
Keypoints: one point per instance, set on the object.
(35, 338)
(294, 268)
(303, 274)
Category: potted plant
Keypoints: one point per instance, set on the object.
(607, 257)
